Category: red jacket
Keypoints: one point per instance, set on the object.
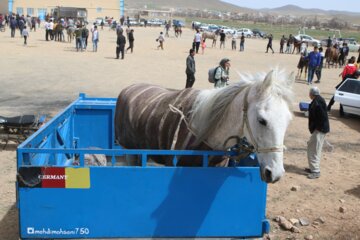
(349, 69)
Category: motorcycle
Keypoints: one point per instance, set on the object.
(19, 128)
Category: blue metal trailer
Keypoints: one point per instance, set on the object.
(58, 199)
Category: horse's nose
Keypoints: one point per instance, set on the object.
(269, 177)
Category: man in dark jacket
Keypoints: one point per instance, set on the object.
(13, 25)
(190, 69)
(131, 40)
(318, 127)
(121, 41)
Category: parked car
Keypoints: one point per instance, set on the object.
(259, 33)
(155, 22)
(228, 30)
(348, 95)
(352, 44)
(247, 32)
(178, 23)
(133, 22)
(204, 27)
(310, 40)
(213, 28)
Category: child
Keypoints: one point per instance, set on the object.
(25, 34)
(203, 46)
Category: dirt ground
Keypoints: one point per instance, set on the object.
(44, 77)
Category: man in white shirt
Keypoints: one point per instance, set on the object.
(46, 31)
(197, 40)
(51, 27)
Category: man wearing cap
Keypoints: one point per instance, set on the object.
(318, 127)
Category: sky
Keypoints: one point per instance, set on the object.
(351, 6)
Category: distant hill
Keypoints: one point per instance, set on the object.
(351, 17)
(296, 10)
(221, 5)
(190, 4)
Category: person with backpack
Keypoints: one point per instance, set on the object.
(221, 76)
(190, 69)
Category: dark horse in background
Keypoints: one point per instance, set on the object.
(178, 31)
(153, 117)
(297, 45)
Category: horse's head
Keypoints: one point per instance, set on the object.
(267, 118)
(258, 109)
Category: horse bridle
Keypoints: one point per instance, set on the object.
(246, 124)
(252, 138)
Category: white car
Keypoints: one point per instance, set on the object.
(309, 39)
(204, 27)
(228, 30)
(247, 32)
(348, 95)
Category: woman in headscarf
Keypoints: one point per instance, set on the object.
(222, 73)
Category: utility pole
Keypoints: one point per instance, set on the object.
(121, 8)
(10, 7)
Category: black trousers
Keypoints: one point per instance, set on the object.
(269, 46)
(118, 50)
(197, 45)
(131, 46)
(190, 79)
(51, 34)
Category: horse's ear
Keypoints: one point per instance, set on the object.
(291, 79)
(266, 83)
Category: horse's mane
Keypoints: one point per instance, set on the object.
(212, 105)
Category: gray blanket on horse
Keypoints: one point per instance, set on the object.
(144, 119)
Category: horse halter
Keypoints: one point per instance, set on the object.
(252, 138)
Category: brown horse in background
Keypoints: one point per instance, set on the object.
(332, 56)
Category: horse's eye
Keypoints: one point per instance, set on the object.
(262, 121)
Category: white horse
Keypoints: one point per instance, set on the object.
(153, 117)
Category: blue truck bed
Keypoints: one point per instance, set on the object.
(58, 198)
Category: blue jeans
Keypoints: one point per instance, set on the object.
(95, 42)
(311, 72)
(78, 44)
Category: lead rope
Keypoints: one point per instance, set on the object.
(182, 118)
(176, 134)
